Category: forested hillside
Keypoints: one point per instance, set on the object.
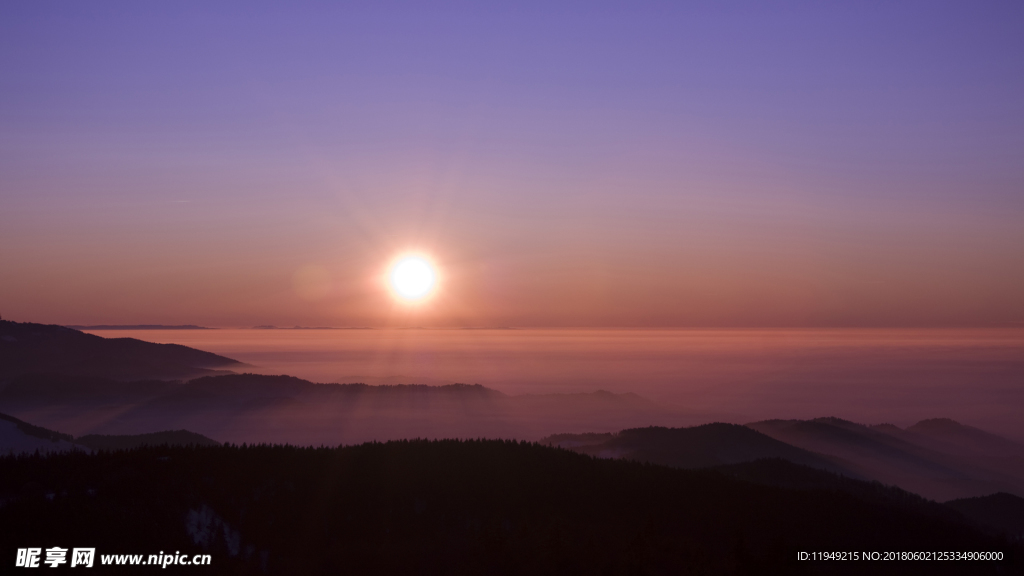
(457, 507)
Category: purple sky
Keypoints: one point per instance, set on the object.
(714, 164)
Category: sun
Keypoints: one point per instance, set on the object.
(412, 278)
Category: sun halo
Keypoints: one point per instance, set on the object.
(412, 278)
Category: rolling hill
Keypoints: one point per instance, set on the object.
(939, 458)
(283, 409)
(27, 348)
(18, 437)
(704, 446)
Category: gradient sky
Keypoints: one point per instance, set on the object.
(566, 164)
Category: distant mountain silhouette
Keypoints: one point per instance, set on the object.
(129, 441)
(36, 431)
(696, 447)
(939, 458)
(27, 348)
(138, 327)
(20, 437)
(944, 433)
(260, 408)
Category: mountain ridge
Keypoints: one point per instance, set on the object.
(962, 461)
(27, 348)
(704, 446)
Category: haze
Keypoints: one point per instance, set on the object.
(898, 376)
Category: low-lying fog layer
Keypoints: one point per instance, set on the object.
(975, 376)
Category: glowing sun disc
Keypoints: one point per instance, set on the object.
(412, 278)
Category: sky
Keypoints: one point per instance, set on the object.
(562, 163)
